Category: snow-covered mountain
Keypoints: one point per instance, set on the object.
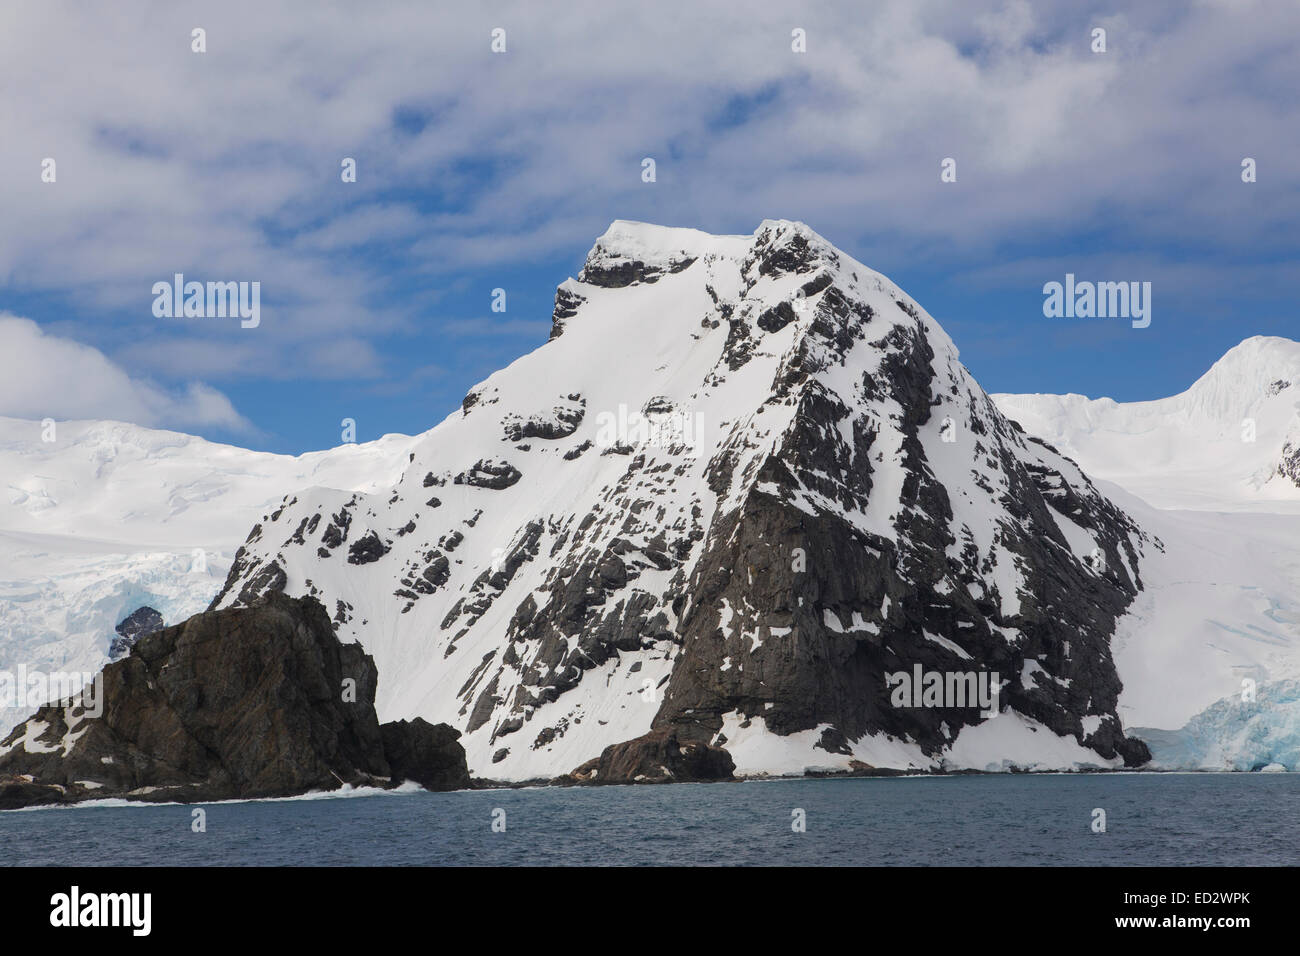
(1231, 442)
(1216, 471)
(745, 479)
(100, 518)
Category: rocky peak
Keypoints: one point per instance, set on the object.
(745, 479)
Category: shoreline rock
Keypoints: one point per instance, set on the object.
(262, 701)
(656, 757)
(426, 753)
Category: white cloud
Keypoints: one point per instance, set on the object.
(225, 164)
(43, 376)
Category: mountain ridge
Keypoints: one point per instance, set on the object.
(1230, 441)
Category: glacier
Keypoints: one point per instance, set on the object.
(111, 516)
(1211, 473)
(1260, 733)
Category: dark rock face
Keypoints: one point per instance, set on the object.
(260, 701)
(613, 272)
(657, 757)
(143, 620)
(567, 302)
(576, 451)
(490, 473)
(425, 753)
(1289, 466)
(366, 549)
(251, 576)
(776, 318)
(559, 422)
(807, 671)
(16, 793)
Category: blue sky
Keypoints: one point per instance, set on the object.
(479, 170)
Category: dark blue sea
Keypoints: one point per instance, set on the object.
(1019, 820)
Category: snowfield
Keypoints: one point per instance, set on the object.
(1222, 445)
(110, 517)
(1211, 473)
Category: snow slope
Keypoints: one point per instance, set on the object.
(109, 516)
(1231, 442)
(1211, 474)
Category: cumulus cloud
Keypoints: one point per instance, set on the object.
(225, 165)
(44, 376)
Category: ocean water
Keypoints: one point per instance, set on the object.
(1041, 820)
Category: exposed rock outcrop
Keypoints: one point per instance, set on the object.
(262, 701)
(143, 620)
(493, 474)
(1289, 465)
(657, 757)
(425, 753)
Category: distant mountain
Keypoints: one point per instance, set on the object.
(1231, 442)
(1216, 469)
